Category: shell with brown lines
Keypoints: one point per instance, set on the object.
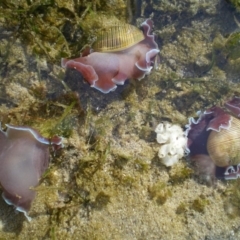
(224, 146)
(118, 37)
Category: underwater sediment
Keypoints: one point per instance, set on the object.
(108, 182)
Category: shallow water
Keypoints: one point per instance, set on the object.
(108, 182)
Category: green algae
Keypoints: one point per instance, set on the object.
(199, 204)
(227, 50)
(160, 192)
(141, 165)
(61, 126)
(101, 200)
(180, 174)
(231, 200)
(232, 46)
(55, 28)
(235, 3)
(121, 160)
(108, 183)
(32, 28)
(182, 208)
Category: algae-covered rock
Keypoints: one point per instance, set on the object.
(232, 46)
(228, 54)
(107, 182)
(235, 3)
